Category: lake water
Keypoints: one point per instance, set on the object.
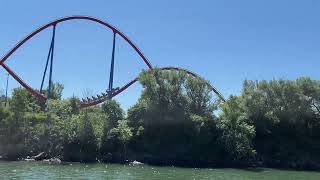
(43, 170)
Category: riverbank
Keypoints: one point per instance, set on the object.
(38, 170)
(271, 124)
(161, 162)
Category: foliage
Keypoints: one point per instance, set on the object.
(56, 91)
(175, 122)
(114, 132)
(237, 133)
(285, 114)
(171, 115)
(114, 112)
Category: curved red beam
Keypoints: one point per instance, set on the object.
(53, 23)
(196, 76)
(40, 96)
(115, 30)
(104, 98)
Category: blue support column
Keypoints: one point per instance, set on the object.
(47, 62)
(110, 89)
(51, 62)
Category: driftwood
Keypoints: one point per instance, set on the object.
(40, 156)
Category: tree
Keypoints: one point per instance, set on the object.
(88, 141)
(114, 112)
(122, 133)
(172, 114)
(22, 101)
(56, 91)
(237, 134)
(285, 115)
(109, 140)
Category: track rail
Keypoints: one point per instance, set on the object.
(40, 96)
(99, 98)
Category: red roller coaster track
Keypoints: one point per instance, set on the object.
(94, 100)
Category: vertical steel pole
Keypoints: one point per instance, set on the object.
(112, 66)
(51, 61)
(5, 102)
(47, 62)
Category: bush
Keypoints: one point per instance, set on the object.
(174, 122)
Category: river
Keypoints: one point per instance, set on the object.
(43, 170)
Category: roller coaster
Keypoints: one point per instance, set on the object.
(88, 101)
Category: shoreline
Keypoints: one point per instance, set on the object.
(253, 167)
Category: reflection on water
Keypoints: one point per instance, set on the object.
(41, 170)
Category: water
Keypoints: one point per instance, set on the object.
(43, 170)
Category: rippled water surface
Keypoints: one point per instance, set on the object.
(42, 170)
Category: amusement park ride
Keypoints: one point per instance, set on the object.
(94, 100)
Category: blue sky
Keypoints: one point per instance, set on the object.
(225, 42)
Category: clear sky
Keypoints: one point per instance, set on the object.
(225, 42)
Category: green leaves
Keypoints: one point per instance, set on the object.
(285, 114)
(172, 115)
(174, 121)
(114, 113)
(122, 132)
(237, 134)
(22, 101)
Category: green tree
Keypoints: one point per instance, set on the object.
(285, 115)
(88, 140)
(56, 91)
(175, 110)
(122, 135)
(114, 112)
(109, 140)
(22, 101)
(237, 133)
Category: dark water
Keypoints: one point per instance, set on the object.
(43, 170)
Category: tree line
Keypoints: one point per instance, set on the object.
(176, 121)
